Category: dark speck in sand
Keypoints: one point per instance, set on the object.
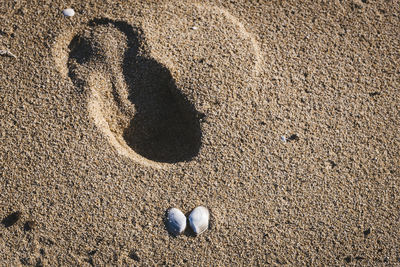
(11, 219)
(374, 94)
(293, 137)
(134, 256)
(91, 253)
(29, 225)
(333, 164)
(367, 232)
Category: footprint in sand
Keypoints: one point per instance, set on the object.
(133, 99)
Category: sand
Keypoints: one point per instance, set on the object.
(112, 116)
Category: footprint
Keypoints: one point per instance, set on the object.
(133, 99)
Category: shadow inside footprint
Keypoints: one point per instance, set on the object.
(165, 126)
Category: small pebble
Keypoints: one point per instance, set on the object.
(176, 221)
(194, 28)
(283, 139)
(198, 219)
(68, 12)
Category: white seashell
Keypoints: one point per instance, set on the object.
(176, 221)
(68, 12)
(198, 219)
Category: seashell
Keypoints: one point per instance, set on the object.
(176, 221)
(68, 12)
(198, 219)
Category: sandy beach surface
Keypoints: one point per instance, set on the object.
(281, 117)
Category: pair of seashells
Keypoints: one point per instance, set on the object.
(198, 220)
